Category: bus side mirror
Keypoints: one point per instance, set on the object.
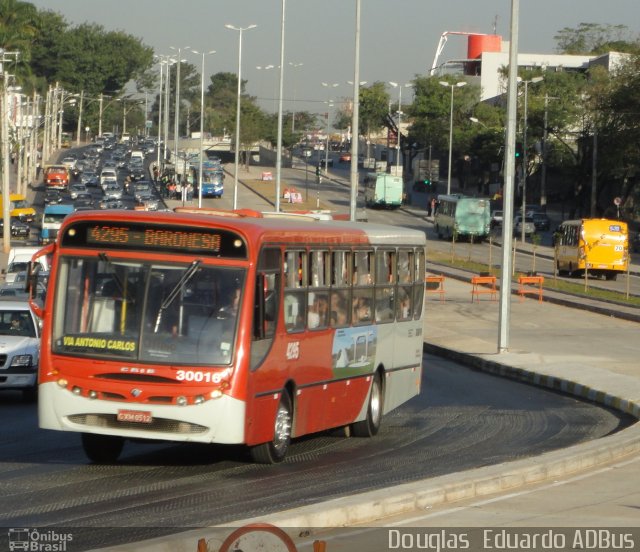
(31, 283)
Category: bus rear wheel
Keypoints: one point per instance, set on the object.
(102, 449)
(371, 424)
(275, 450)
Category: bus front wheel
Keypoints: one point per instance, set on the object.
(102, 449)
(371, 424)
(275, 450)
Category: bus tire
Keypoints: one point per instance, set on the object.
(275, 450)
(611, 276)
(371, 424)
(102, 449)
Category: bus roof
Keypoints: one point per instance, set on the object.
(595, 222)
(258, 229)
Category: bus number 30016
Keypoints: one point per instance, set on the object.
(198, 376)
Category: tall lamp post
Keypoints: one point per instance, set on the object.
(452, 86)
(293, 110)
(275, 84)
(329, 86)
(524, 149)
(237, 157)
(399, 87)
(176, 125)
(210, 52)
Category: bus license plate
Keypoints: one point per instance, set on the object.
(135, 416)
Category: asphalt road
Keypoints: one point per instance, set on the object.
(463, 419)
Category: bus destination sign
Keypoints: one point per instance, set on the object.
(148, 237)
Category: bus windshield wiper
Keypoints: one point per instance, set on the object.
(125, 296)
(186, 276)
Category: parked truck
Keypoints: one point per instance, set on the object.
(52, 218)
(19, 208)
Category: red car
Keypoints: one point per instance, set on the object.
(345, 158)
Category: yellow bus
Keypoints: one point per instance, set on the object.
(65, 139)
(600, 246)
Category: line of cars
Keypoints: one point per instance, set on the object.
(534, 221)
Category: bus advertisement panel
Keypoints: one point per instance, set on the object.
(600, 246)
(227, 327)
(383, 190)
(464, 217)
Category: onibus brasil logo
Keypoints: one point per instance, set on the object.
(34, 540)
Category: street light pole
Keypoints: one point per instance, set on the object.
(524, 152)
(452, 86)
(237, 156)
(280, 94)
(326, 148)
(399, 86)
(293, 111)
(176, 127)
(355, 119)
(201, 123)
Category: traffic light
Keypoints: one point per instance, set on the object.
(518, 150)
(318, 170)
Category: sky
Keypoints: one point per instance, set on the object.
(398, 38)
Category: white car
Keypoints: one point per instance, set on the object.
(70, 163)
(19, 348)
(112, 190)
(76, 188)
(108, 174)
(529, 226)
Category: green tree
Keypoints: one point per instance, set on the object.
(374, 107)
(430, 118)
(18, 26)
(595, 38)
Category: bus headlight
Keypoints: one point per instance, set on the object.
(76, 390)
(181, 401)
(198, 400)
(62, 382)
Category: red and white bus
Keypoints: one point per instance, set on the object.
(227, 327)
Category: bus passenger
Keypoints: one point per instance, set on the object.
(361, 309)
(318, 314)
(339, 315)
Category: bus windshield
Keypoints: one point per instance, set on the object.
(148, 312)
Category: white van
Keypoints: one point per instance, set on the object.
(137, 154)
(19, 258)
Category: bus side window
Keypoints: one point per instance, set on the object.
(295, 269)
(362, 268)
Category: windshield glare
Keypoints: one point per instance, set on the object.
(166, 314)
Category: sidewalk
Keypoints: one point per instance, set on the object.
(595, 484)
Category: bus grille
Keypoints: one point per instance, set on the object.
(160, 425)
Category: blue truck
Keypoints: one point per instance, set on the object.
(52, 218)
